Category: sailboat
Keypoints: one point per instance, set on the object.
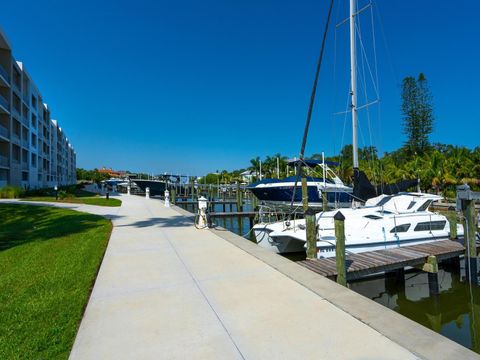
(384, 221)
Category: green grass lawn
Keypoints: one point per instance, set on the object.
(94, 200)
(49, 258)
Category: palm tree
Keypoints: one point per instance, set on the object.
(255, 166)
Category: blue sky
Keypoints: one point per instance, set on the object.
(193, 87)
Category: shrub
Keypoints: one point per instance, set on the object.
(10, 192)
(62, 194)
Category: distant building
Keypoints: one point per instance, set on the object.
(116, 173)
(248, 176)
(110, 172)
(34, 150)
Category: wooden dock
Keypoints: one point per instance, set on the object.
(363, 264)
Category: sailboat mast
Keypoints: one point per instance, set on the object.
(353, 75)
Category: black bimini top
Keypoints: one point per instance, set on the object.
(311, 163)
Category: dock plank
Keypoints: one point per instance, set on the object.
(366, 263)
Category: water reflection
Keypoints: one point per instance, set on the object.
(454, 312)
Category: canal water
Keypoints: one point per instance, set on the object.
(239, 225)
(454, 312)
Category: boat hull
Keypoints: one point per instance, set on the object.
(278, 245)
(156, 187)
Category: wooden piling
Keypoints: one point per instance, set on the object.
(309, 221)
(254, 201)
(469, 226)
(173, 196)
(340, 248)
(468, 207)
(223, 199)
(304, 194)
(311, 234)
(453, 226)
(239, 198)
(324, 201)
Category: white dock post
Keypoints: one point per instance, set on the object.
(167, 198)
(128, 190)
(147, 193)
(202, 216)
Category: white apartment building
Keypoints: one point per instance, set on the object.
(34, 150)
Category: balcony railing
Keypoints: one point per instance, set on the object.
(4, 102)
(3, 131)
(4, 73)
(3, 161)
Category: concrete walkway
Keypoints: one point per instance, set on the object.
(166, 290)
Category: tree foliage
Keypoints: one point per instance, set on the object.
(417, 110)
(91, 175)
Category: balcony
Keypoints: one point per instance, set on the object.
(4, 131)
(26, 98)
(25, 143)
(24, 166)
(4, 105)
(4, 76)
(3, 161)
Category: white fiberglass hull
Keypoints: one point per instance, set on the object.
(279, 245)
(399, 220)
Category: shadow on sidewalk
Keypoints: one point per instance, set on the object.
(175, 221)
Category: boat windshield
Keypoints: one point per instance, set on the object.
(384, 200)
(425, 205)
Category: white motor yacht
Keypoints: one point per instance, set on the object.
(386, 221)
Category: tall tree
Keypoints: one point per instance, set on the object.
(425, 111)
(417, 112)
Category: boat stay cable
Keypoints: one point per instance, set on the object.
(312, 101)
